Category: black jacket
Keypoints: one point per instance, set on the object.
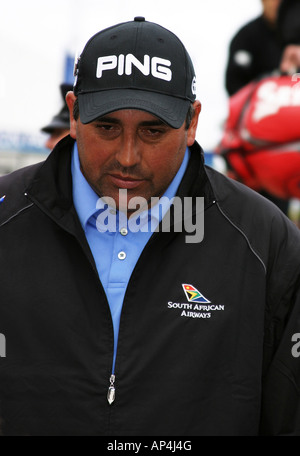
(264, 49)
(183, 369)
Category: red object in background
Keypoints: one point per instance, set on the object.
(261, 140)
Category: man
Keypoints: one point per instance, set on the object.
(115, 329)
(255, 50)
(59, 126)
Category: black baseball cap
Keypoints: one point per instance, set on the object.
(61, 121)
(135, 65)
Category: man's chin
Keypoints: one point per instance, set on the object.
(125, 200)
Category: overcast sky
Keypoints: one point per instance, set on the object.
(35, 36)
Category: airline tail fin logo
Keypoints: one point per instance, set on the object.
(193, 295)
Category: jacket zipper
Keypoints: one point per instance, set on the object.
(111, 394)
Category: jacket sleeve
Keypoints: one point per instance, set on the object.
(280, 411)
(240, 68)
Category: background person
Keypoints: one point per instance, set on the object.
(59, 125)
(255, 50)
(262, 151)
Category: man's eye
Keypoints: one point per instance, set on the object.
(105, 127)
(108, 130)
(154, 132)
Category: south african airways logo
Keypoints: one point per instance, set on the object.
(194, 295)
(198, 306)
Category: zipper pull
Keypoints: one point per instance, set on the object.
(111, 394)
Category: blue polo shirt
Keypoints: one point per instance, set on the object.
(116, 242)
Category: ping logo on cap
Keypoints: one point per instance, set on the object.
(156, 66)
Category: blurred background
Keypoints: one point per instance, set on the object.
(39, 40)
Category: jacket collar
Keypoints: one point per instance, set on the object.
(51, 191)
(51, 187)
(195, 181)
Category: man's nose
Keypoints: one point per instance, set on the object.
(128, 154)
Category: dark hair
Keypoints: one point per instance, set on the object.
(188, 119)
(76, 109)
(189, 116)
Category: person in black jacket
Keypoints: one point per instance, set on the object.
(255, 50)
(142, 292)
(263, 46)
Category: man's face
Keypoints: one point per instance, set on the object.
(55, 137)
(130, 149)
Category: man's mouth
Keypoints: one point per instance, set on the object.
(126, 182)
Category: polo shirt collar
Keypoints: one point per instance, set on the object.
(84, 197)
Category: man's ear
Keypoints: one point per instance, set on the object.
(70, 100)
(191, 133)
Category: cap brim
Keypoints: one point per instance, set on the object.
(56, 125)
(169, 109)
(60, 121)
